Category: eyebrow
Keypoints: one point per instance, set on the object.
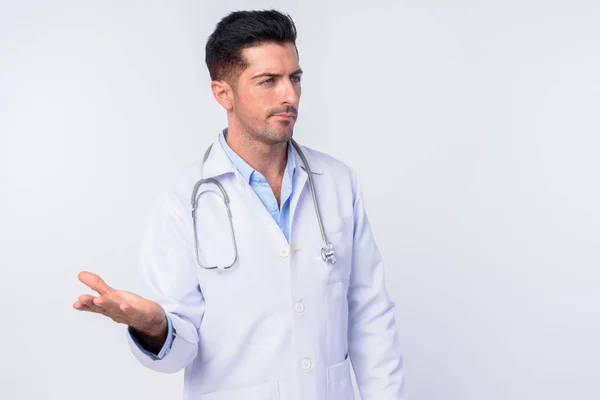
(272, 75)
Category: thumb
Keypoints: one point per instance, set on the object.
(94, 282)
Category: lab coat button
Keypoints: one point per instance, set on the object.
(284, 252)
(299, 307)
(306, 364)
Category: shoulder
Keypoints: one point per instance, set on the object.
(331, 167)
(326, 162)
(176, 194)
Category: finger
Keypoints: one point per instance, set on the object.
(86, 298)
(82, 307)
(110, 307)
(94, 282)
(87, 301)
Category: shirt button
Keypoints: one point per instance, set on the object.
(299, 307)
(306, 364)
(284, 252)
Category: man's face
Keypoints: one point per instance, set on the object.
(267, 93)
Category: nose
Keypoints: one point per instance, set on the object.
(290, 93)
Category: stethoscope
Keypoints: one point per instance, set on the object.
(327, 252)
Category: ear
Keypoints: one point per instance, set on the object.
(223, 93)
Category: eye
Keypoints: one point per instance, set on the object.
(296, 78)
(267, 82)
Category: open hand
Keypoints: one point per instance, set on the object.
(143, 315)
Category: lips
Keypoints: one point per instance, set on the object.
(285, 115)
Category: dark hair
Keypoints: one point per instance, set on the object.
(240, 30)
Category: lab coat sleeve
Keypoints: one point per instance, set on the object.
(372, 334)
(167, 275)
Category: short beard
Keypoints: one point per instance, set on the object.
(269, 135)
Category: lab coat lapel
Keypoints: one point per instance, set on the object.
(217, 162)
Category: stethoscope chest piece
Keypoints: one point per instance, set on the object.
(328, 253)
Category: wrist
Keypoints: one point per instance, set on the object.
(156, 329)
(152, 339)
(159, 328)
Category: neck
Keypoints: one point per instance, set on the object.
(268, 159)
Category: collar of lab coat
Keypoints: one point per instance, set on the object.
(218, 163)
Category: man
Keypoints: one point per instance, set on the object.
(282, 321)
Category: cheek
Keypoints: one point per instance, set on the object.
(251, 110)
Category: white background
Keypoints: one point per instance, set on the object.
(474, 127)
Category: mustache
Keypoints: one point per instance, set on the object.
(284, 109)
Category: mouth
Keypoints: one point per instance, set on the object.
(285, 115)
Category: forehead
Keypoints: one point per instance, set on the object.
(271, 57)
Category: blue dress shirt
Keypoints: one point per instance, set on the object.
(261, 187)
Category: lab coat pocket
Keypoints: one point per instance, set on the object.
(341, 234)
(339, 381)
(264, 391)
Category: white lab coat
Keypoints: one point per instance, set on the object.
(281, 324)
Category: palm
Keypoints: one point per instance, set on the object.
(119, 305)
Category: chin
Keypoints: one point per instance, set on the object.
(279, 134)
